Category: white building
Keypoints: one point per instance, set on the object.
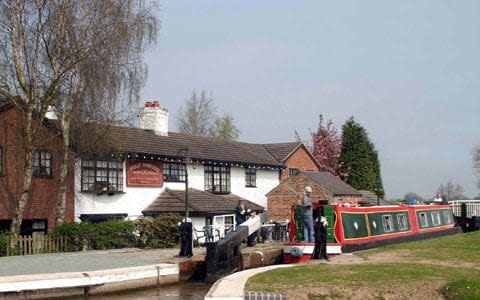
(147, 162)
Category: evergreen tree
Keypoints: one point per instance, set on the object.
(359, 165)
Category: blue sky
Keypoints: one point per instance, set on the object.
(408, 71)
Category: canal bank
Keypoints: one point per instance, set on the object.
(98, 272)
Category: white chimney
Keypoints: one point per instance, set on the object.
(155, 118)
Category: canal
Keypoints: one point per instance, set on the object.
(190, 290)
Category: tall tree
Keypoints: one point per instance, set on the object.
(476, 164)
(224, 128)
(327, 146)
(451, 191)
(199, 118)
(70, 55)
(359, 165)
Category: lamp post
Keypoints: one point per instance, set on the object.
(186, 226)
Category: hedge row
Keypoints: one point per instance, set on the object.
(161, 232)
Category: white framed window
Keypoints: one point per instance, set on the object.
(436, 220)
(387, 221)
(423, 219)
(250, 177)
(174, 172)
(402, 221)
(224, 223)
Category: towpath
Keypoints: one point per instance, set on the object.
(87, 261)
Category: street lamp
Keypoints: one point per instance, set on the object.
(186, 227)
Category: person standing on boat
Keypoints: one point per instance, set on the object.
(307, 216)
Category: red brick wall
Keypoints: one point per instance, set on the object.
(44, 192)
(301, 160)
(281, 199)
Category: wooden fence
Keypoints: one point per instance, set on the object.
(37, 244)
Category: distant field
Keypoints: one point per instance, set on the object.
(440, 268)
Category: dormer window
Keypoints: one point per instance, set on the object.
(217, 179)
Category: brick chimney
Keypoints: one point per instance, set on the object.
(155, 118)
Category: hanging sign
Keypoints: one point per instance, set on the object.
(144, 173)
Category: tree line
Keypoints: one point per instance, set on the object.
(351, 156)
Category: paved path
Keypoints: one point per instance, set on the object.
(86, 261)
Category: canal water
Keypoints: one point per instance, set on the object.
(190, 290)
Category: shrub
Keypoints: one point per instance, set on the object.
(4, 243)
(98, 236)
(161, 232)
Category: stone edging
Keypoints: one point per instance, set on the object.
(232, 286)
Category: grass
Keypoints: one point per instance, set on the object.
(446, 267)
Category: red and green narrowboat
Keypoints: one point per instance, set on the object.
(356, 228)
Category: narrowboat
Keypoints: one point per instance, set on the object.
(357, 228)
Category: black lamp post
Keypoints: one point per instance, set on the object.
(186, 227)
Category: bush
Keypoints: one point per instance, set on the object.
(4, 243)
(161, 232)
(98, 236)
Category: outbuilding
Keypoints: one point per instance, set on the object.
(327, 189)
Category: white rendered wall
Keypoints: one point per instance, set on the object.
(266, 181)
(135, 199)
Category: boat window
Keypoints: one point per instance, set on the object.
(423, 219)
(447, 216)
(387, 223)
(436, 221)
(402, 222)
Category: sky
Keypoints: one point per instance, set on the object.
(408, 71)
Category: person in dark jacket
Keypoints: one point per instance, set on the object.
(241, 212)
(320, 250)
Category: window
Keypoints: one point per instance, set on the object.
(447, 216)
(436, 221)
(250, 177)
(387, 223)
(102, 176)
(42, 164)
(1, 160)
(293, 172)
(423, 219)
(173, 172)
(402, 222)
(217, 179)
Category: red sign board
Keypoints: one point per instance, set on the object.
(144, 173)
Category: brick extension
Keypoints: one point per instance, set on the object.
(281, 199)
(43, 202)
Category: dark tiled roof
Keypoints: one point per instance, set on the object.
(370, 198)
(281, 151)
(330, 182)
(136, 140)
(199, 203)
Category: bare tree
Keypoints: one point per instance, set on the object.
(77, 56)
(451, 191)
(476, 164)
(199, 118)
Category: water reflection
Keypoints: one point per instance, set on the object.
(183, 291)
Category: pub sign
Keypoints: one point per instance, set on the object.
(144, 173)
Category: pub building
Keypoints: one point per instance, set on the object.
(145, 173)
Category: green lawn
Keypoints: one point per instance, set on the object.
(446, 267)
